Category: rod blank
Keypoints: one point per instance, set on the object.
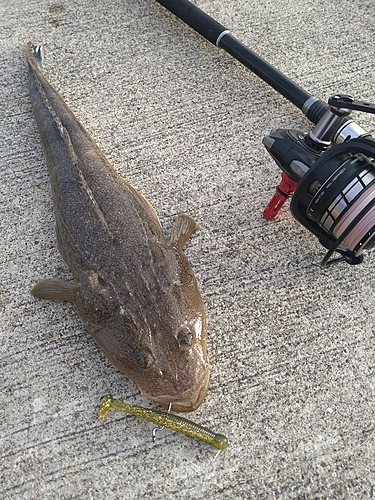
(217, 34)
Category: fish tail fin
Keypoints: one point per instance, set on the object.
(36, 52)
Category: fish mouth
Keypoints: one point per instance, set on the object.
(188, 403)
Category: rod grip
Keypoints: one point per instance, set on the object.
(195, 18)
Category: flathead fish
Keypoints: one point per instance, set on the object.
(134, 289)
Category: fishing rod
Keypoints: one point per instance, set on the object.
(329, 171)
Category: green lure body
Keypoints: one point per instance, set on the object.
(166, 419)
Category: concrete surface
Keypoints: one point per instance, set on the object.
(291, 345)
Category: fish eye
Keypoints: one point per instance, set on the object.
(184, 338)
(144, 360)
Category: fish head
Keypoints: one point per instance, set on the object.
(157, 336)
(176, 364)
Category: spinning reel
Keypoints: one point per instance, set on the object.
(329, 172)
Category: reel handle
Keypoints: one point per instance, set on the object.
(348, 102)
(284, 191)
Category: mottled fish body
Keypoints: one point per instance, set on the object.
(134, 289)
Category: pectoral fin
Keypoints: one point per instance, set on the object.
(184, 226)
(51, 289)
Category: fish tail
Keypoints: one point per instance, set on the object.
(36, 52)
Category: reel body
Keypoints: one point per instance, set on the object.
(331, 171)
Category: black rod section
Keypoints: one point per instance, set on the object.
(195, 18)
(283, 85)
(217, 34)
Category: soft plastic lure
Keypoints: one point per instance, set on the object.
(166, 419)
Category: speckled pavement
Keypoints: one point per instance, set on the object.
(291, 345)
